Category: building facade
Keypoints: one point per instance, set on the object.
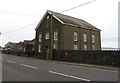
(27, 46)
(62, 32)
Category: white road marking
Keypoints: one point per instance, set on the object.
(10, 61)
(69, 76)
(29, 66)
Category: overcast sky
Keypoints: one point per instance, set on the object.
(15, 15)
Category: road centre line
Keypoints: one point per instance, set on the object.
(10, 61)
(57, 73)
(29, 66)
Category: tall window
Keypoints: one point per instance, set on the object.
(40, 37)
(93, 38)
(39, 48)
(85, 37)
(85, 47)
(93, 47)
(75, 36)
(75, 47)
(47, 36)
(55, 35)
(55, 45)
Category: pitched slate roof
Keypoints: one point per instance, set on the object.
(65, 19)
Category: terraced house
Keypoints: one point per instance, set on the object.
(62, 32)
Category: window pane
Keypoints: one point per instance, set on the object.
(40, 36)
(55, 45)
(93, 38)
(75, 47)
(93, 47)
(55, 35)
(39, 48)
(47, 35)
(85, 47)
(75, 36)
(85, 37)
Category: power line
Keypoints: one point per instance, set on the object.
(18, 21)
(78, 6)
(38, 21)
(12, 13)
(20, 28)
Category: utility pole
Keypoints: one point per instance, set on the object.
(51, 38)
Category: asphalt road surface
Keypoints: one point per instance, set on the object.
(17, 68)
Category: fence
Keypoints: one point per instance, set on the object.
(19, 53)
(90, 57)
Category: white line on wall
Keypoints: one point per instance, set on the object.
(57, 73)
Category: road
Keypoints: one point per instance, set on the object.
(18, 68)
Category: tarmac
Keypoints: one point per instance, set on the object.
(112, 68)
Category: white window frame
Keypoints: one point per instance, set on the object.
(85, 37)
(47, 35)
(93, 38)
(55, 35)
(75, 36)
(39, 48)
(40, 37)
(85, 47)
(75, 46)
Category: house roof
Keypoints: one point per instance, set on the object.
(30, 42)
(68, 20)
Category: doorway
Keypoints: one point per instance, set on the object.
(47, 52)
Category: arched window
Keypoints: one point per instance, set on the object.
(75, 36)
(85, 37)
